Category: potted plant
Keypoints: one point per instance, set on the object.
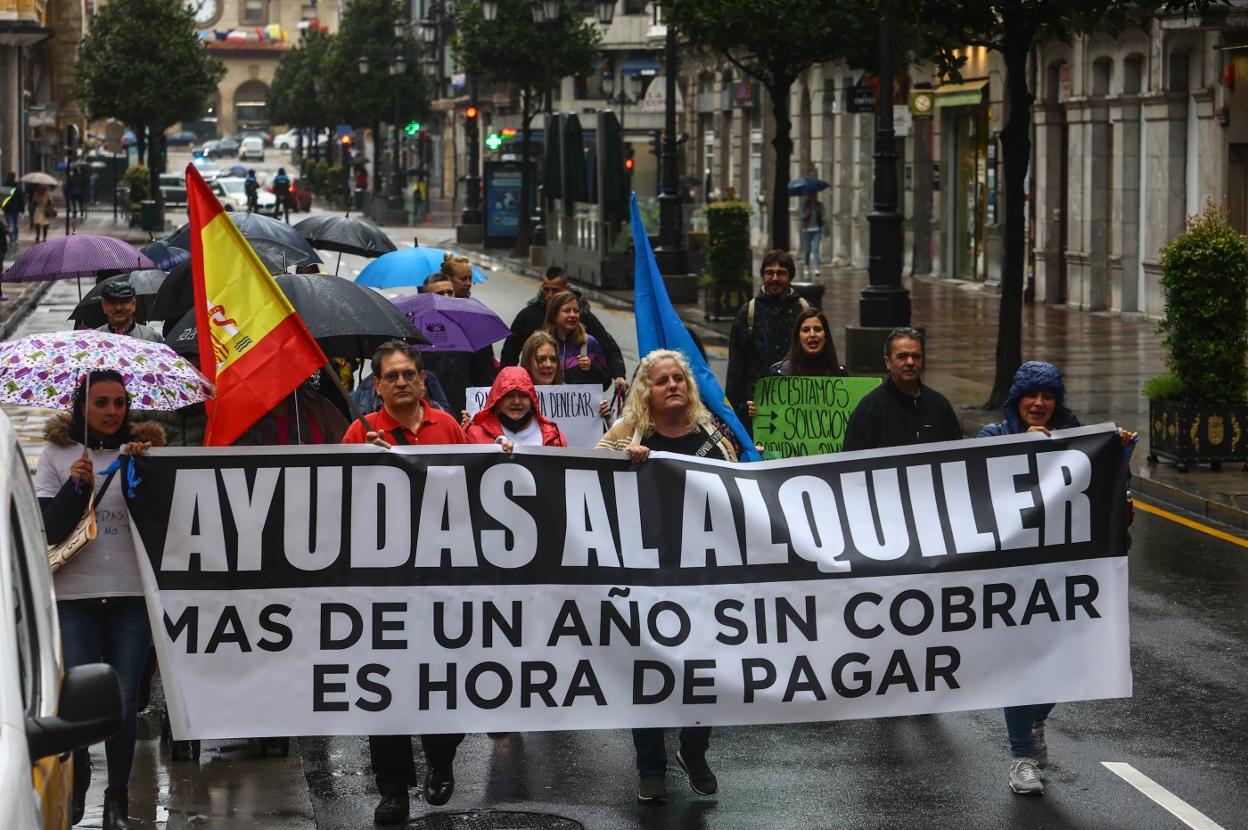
(729, 263)
(138, 187)
(1198, 411)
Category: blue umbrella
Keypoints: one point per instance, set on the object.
(237, 170)
(408, 266)
(164, 255)
(806, 184)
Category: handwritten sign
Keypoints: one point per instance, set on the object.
(573, 406)
(805, 415)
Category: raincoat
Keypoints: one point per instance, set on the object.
(486, 427)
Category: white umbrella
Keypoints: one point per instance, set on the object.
(40, 178)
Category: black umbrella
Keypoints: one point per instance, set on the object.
(347, 320)
(177, 294)
(90, 313)
(285, 247)
(345, 234)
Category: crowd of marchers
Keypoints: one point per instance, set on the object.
(415, 398)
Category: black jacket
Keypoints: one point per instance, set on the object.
(752, 351)
(888, 417)
(459, 370)
(533, 316)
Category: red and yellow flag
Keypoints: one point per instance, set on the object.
(252, 344)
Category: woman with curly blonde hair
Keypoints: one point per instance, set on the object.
(663, 412)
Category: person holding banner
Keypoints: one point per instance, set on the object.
(811, 351)
(99, 597)
(664, 412)
(1036, 402)
(580, 354)
(406, 417)
(513, 416)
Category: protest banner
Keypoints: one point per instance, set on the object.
(356, 590)
(573, 406)
(801, 415)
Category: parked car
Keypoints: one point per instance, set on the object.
(207, 168)
(44, 716)
(182, 138)
(301, 200)
(234, 191)
(252, 147)
(173, 188)
(287, 140)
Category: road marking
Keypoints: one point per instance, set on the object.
(1176, 806)
(1194, 525)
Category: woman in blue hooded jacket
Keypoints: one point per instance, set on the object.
(1036, 403)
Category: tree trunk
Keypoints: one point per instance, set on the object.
(526, 174)
(377, 158)
(140, 144)
(154, 168)
(1016, 155)
(783, 142)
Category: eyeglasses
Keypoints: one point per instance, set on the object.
(408, 375)
(775, 272)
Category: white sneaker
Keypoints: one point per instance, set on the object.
(1039, 749)
(1025, 777)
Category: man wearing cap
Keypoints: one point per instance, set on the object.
(119, 303)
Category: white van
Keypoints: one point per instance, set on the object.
(251, 148)
(44, 714)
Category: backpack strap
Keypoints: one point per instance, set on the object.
(749, 313)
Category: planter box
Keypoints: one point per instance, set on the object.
(1194, 433)
(722, 301)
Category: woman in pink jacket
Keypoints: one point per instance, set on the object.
(512, 415)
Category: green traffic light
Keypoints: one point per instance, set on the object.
(494, 141)
(412, 127)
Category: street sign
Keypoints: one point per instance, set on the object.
(861, 98)
(502, 181)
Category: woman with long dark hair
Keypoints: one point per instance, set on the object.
(99, 598)
(811, 351)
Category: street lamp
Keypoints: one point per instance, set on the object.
(489, 10)
(397, 68)
(546, 15)
(623, 99)
(670, 254)
(606, 12)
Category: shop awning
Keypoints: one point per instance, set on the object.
(969, 94)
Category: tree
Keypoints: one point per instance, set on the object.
(368, 31)
(512, 48)
(774, 41)
(299, 96)
(142, 63)
(1013, 28)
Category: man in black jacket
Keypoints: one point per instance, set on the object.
(761, 331)
(902, 410)
(533, 316)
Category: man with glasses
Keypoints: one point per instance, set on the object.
(761, 330)
(406, 417)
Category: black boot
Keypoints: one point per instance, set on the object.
(116, 809)
(82, 782)
(394, 807)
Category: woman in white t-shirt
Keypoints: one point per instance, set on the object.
(99, 598)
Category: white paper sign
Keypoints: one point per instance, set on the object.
(573, 406)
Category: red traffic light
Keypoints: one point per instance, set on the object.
(628, 165)
(346, 139)
(470, 113)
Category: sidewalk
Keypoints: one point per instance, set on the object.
(1105, 358)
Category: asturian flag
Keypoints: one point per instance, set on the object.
(659, 327)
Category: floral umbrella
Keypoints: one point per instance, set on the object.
(44, 370)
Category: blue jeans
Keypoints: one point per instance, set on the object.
(1018, 723)
(811, 241)
(10, 219)
(652, 751)
(113, 631)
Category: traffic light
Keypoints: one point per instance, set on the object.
(493, 141)
(656, 143)
(628, 159)
(346, 141)
(470, 114)
(412, 127)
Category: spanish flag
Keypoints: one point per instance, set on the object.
(252, 344)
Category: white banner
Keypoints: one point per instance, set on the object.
(573, 406)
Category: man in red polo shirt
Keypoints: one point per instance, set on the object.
(406, 417)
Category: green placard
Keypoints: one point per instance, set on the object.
(805, 415)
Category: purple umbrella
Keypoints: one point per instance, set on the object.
(452, 324)
(80, 255)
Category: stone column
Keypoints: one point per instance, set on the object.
(1049, 121)
(1124, 226)
(1165, 170)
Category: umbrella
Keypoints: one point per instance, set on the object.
(452, 324)
(235, 171)
(40, 178)
(345, 234)
(407, 266)
(45, 369)
(255, 227)
(164, 255)
(79, 255)
(806, 184)
(90, 313)
(346, 319)
(177, 292)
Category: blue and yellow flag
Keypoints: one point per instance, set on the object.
(659, 327)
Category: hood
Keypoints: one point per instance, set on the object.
(509, 380)
(1033, 375)
(58, 431)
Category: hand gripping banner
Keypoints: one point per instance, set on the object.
(355, 590)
